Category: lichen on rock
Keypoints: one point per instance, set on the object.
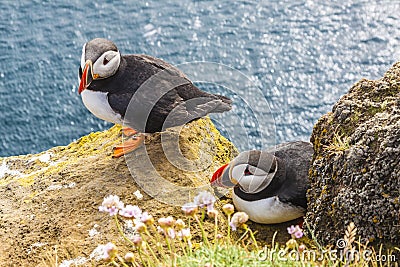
(355, 173)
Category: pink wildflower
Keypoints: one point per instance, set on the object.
(112, 205)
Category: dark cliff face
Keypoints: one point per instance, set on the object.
(355, 173)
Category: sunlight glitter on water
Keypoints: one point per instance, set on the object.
(302, 55)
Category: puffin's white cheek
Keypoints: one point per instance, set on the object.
(237, 173)
(105, 70)
(252, 183)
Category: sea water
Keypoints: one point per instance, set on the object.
(300, 56)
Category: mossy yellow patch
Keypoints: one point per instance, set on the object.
(101, 143)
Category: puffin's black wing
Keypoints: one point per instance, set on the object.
(188, 109)
(297, 157)
(162, 93)
(294, 193)
(161, 64)
(186, 92)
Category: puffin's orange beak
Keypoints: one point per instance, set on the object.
(221, 178)
(87, 76)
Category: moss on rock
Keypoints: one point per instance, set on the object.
(355, 173)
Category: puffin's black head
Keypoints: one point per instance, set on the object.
(100, 59)
(251, 170)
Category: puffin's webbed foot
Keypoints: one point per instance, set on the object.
(128, 131)
(128, 146)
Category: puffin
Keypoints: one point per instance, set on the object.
(269, 185)
(143, 93)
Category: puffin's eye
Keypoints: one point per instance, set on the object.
(247, 171)
(107, 57)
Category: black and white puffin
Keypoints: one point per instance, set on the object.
(110, 82)
(269, 185)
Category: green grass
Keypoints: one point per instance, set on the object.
(340, 143)
(229, 255)
(238, 255)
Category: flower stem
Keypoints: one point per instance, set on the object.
(252, 237)
(245, 233)
(215, 230)
(149, 247)
(114, 263)
(181, 245)
(140, 256)
(203, 233)
(172, 253)
(189, 242)
(157, 241)
(122, 261)
(168, 244)
(121, 231)
(229, 229)
(203, 214)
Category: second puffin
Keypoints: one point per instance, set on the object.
(142, 92)
(269, 185)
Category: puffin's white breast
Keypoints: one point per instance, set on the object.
(97, 103)
(269, 210)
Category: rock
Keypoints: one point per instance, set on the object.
(49, 202)
(355, 173)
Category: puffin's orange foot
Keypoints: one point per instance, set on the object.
(128, 131)
(128, 146)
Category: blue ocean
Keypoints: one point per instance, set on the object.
(301, 55)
